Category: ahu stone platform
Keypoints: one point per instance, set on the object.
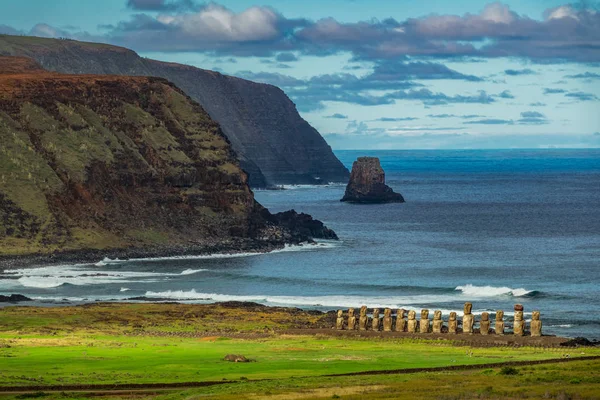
(469, 324)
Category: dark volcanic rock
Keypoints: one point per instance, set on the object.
(14, 298)
(580, 341)
(273, 143)
(367, 184)
(303, 225)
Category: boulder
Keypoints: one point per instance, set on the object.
(14, 298)
(236, 358)
(367, 184)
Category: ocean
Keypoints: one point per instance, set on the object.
(494, 227)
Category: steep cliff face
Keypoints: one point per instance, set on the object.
(274, 144)
(110, 162)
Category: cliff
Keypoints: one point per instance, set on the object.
(274, 144)
(367, 184)
(127, 164)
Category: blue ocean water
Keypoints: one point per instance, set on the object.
(492, 227)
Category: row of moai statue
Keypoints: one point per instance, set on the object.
(424, 325)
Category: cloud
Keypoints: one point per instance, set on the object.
(506, 95)
(532, 114)
(256, 31)
(517, 72)
(8, 30)
(384, 86)
(537, 104)
(586, 75)
(566, 33)
(491, 121)
(562, 35)
(442, 116)
(462, 140)
(286, 57)
(358, 129)
(533, 118)
(392, 119)
(162, 5)
(582, 96)
(390, 70)
(337, 116)
(454, 116)
(45, 30)
(554, 91)
(527, 118)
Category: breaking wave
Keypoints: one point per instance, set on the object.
(303, 301)
(53, 277)
(321, 244)
(492, 291)
(190, 271)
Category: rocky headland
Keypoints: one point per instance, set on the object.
(367, 184)
(274, 144)
(96, 165)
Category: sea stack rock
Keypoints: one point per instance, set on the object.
(367, 184)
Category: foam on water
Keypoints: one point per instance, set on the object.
(190, 271)
(322, 244)
(88, 274)
(491, 291)
(306, 301)
(107, 261)
(79, 275)
(295, 187)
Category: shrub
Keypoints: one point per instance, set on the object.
(509, 371)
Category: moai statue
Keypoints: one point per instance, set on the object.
(452, 323)
(400, 321)
(412, 321)
(437, 322)
(424, 323)
(376, 324)
(499, 328)
(387, 320)
(363, 320)
(351, 319)
(484, 325)
(519, 323)
(339, 322)
(468, 319)
(536, 324)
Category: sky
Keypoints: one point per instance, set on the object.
(374, 74)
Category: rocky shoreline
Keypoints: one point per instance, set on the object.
(95, 255)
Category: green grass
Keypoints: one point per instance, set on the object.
(148, 343)
(73, 359)
(551, 381)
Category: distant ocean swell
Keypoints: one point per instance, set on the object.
(453, 295)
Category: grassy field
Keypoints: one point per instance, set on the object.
(149, 344)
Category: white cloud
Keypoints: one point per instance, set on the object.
(215, 22)
(498, 13)
(561, 12)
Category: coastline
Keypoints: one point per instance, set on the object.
(94, 255)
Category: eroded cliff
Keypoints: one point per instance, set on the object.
(112, 162)
(274, 144)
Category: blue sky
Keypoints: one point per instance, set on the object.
(374, 74)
